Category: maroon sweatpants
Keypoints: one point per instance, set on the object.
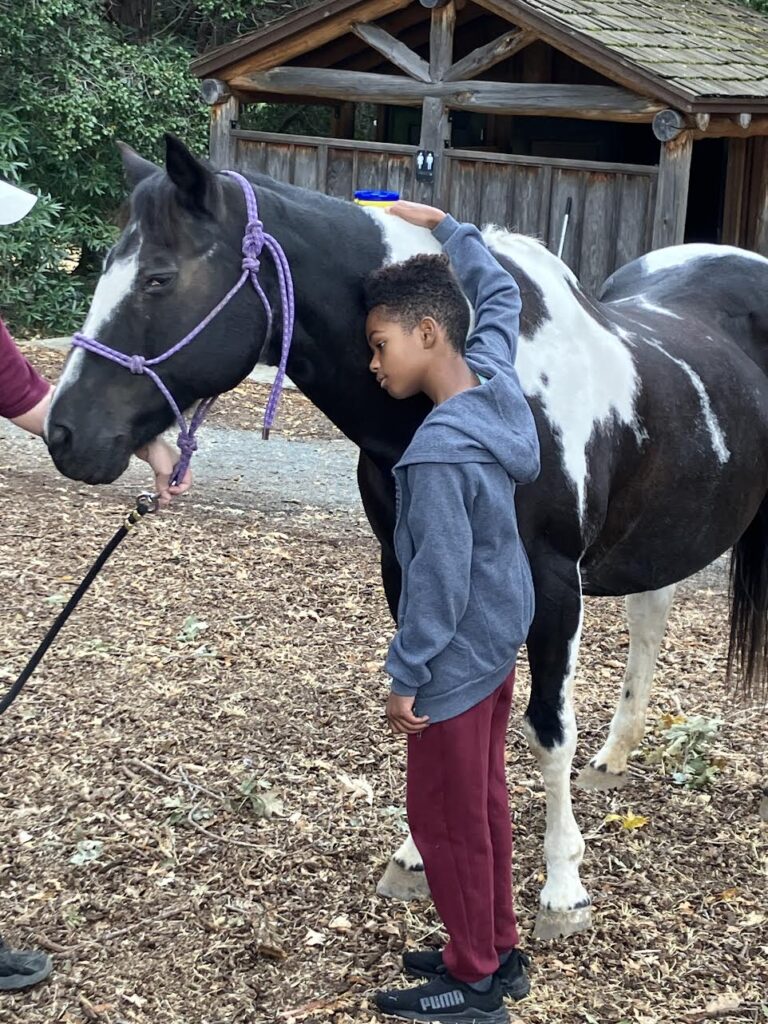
(458, 811)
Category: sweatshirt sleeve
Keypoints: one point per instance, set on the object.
(493, 292)
(21, 386)
(436, 588)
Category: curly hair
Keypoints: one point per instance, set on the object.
(420, 286)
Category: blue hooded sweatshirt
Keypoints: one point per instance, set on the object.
(467, 596)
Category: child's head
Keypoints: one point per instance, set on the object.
(417, 314)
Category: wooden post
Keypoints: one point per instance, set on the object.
(343, 121)
(672, 191)
(760, 196)
(435, 126)
(735, 193)
(225, 111)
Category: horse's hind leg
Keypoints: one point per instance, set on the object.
(647, 616)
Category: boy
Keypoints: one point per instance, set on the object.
(466, 603)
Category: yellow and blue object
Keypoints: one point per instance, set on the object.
(365, 197)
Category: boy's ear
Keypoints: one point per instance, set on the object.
(429, 331)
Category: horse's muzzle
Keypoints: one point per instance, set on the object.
(93, 461)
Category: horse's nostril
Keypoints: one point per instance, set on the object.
(59, 436)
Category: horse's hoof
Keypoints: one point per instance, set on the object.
(554, 924)
(593, 778)
(398, 883)
(764, 806)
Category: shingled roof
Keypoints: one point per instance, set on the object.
(696, 54)
(700, 47)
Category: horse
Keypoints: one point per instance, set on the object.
(651, 404)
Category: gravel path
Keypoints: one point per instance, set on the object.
(234, 468)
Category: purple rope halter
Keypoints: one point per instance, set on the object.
(255, 240)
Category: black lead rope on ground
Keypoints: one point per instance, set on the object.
(144, 503)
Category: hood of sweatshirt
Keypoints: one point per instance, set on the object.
(489, 423)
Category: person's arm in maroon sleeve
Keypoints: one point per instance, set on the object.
(24, 394)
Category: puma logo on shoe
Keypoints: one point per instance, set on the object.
(443, 1001)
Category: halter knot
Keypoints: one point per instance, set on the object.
(136, 364)
(187, 444)
(253, 243)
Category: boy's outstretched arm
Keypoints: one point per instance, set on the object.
(493, 292)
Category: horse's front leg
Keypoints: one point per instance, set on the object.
(550, 725)
(647, 616)
(404, 877)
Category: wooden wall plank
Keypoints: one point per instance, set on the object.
(634, 219)
(598, 231)
(340, 172)
(279, 163)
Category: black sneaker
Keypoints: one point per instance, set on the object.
(514, 981)
(445, 1000)
(22, 969)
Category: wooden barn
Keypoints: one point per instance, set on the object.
(650, 116)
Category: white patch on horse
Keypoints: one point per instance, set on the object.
(402, 239)
(643, 303)
(407, 855)
(570, 346)
(678, 255)
(113, 286)
(647, 615)
(711, 422)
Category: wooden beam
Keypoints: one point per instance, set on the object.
(435, 123)
(395, 51)
(441, 40)
(668, 124)
(723, 127)
(672, 191)
(702, 121)
(214, 91)
(486, 56)
(591, 102)
(315, 35)
(343, 121)
(221, 149)
(759, 197)
(735, 193)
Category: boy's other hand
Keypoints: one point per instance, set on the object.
(401, 717)
(420, 214)
(162, 458)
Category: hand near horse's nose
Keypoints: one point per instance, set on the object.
(162, 458)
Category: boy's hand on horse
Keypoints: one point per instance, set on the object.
(420, 214)
(401, 717)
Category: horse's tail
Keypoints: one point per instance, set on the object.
(747, 663)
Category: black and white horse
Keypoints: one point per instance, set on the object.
(651, 405)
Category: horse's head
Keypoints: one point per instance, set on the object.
(178, 255)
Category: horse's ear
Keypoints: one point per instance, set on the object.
(136, 167)
(190, 176)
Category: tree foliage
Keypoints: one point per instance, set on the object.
(76, 75)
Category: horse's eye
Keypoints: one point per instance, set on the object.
(156, 282)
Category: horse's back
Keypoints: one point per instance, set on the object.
(719, 286)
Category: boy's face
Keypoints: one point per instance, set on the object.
(399, 356)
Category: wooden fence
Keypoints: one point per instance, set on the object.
(612, 204)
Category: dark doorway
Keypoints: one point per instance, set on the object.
(706, 194)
